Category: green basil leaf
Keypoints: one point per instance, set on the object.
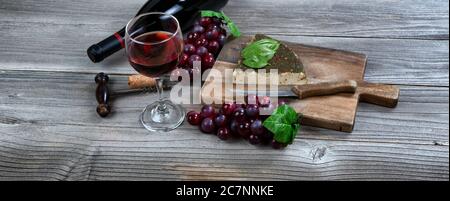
(234, 30)
(283, 123)
(258, 54)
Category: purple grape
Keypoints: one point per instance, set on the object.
(257, 128)
(244, 129)
(212, 34)
(277, 145)
(252, 111)
(254, 139)
(234, 127)
(198, 29)
(213, 47)
(239, 114)
(201, 51)
(223, 133)
(207, 111)
(222, 39)
(266, 137)
(221, 121)
(189, 49)
(194, 58)
(207, 125)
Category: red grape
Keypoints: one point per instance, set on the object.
(212, 34)
(221, 121)
(201, 51)
(251, 99)
(189, 49)
(252, 110)
(208, 61)
(193, 36)
(264, 101)
(201, 42)
(194, 58)
(184, 60)
(194, 118)
(228, 108)
(207, 111)
(244, 129)
(283, 102)
(207, 125)
(223, 133)
(215, 26)
(213, 47)
(254, 139)
(205, 21)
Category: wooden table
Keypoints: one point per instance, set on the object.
(49, 130)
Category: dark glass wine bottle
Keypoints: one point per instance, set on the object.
(186, 11)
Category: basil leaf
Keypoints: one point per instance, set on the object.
(258, 54)
(234, 30)
(283, 123)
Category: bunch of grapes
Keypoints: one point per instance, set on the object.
(238, 120)
(203, 43)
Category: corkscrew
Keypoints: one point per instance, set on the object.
(104, 95)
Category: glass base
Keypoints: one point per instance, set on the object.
(162, 116)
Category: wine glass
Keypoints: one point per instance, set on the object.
(154, 44)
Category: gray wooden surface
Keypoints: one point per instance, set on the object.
(49, 130)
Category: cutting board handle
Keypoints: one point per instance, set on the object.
(378, 94)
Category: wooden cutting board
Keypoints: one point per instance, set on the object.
(335, 112)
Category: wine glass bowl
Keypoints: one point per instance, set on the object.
(154, 45)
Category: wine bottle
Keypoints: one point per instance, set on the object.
(186, 11)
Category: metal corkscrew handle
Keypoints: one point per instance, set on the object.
(104, 95)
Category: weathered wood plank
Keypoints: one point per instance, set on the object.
(68, 99)
(49, 130)
(53, 35)
(379, 18)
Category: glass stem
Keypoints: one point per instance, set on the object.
(162, 108)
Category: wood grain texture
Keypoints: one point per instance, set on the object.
(374, 19)
(335, 112)
(54, 35)
(48, 133)
(49, 129)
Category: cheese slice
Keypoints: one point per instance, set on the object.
(285, 61)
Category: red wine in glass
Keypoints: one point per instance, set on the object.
(154, 53)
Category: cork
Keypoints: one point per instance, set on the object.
(140, 81)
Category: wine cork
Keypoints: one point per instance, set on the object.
(140, 81)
